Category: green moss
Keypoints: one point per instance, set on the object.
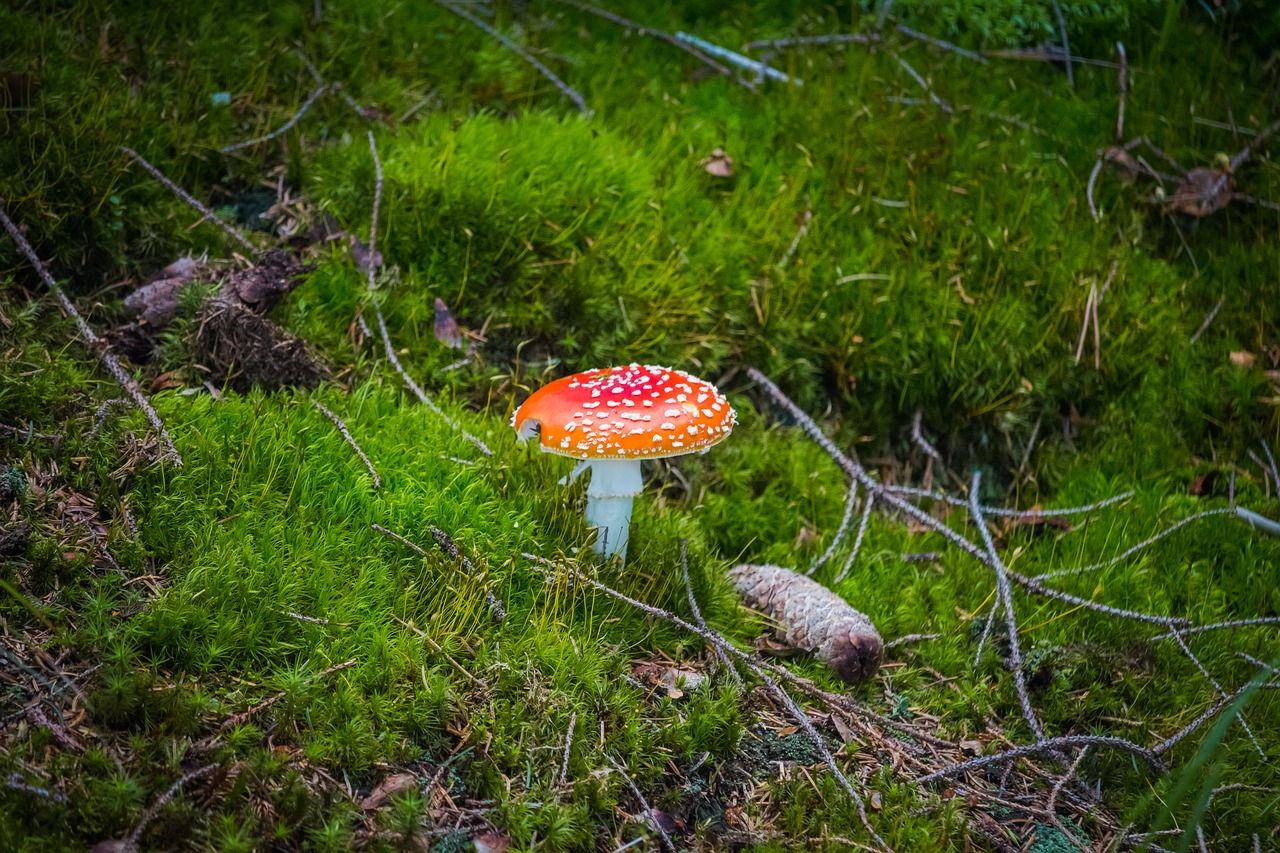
(945, 270)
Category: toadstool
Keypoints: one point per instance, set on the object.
(614, 417)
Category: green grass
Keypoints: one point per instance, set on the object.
(945, 270)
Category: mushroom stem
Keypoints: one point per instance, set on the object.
(614, 482)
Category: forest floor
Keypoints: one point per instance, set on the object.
(998, 277)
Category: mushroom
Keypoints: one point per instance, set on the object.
(614, 417)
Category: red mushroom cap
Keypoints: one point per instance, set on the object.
(632, 412)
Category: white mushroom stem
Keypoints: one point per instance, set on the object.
(614, 483)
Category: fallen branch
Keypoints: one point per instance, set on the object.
(418, 392)
(205, 213)
(1005, 592)
(757, 667)
(565, 89)
(446, 543)
(1046, 746)
(1208, 318)
(924, 84)
(372, 266)
(887, 495)
(799, 41)
(660, 35)
(697, 613)
(163, 801)
(653, 820)
(342, 428)
(284, 128)
(761, 70)
(851, 499)
(92, 341)
(245, 716)
(1066, 45)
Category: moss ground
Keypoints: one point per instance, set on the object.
(945, 270)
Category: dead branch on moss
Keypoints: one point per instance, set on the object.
(868, 504)
(988, 557)
(1005, 592)
(924, 84)
(1066, 45)
(851, 500)
(565, 89)
(568, 747)
(417, 390)
(653, 819)
(346, 433)
(205, 213)
(372, 266)
(449, 547)
(697, 613)
(284, 128)
(660, 35)
(244, 717)
(757, 667)
(94, 343)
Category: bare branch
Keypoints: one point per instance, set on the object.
(937, 42)
(1208, 318)
(933, 96)
(1006, 599)
(868, 503)
(165, 799)
(565, 89)
(1124, 90)
(568, 746)
(653, 820)
(284, 128)
(1066, 45)
(205, 213)
(850, 500)
(1044, 747)
(94, 343)
(373, 219)
(342, 428)
(697, 612)
(418, 392)
(660, 35)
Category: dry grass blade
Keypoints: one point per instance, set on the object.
(92, 341)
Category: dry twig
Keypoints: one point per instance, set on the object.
(565, 89)
(284, 128)
(342, 428)
(92, 341)
(205, 213)
(660, 35)
(653, 819)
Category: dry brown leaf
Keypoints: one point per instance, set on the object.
(718, 163)
(1202, 191)
(446, 327)
(811, 617)
(1242, 358)
(396, 783)
(491, 842)
(1129, 167)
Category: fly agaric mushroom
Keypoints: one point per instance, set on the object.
(614, 417)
